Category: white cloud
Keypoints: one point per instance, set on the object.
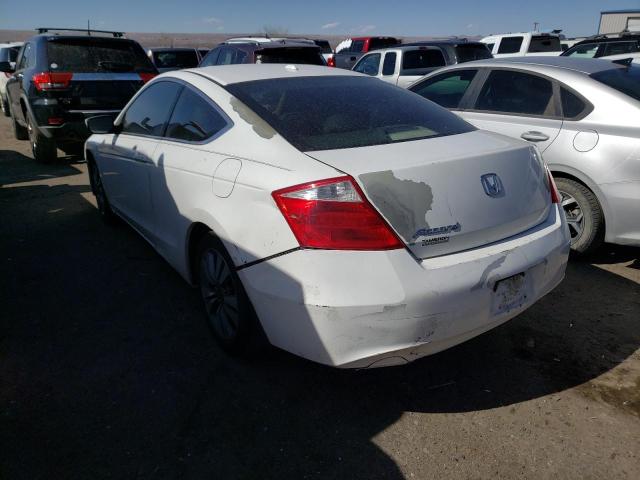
(212, 20)
(470, 25)
(328, 26)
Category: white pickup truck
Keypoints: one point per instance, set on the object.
(523, 44)
(405, 64)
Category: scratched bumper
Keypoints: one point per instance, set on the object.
(373, 309)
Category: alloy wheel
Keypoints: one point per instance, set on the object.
(574, 215)
(219, 294)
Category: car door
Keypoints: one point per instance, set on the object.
(369, 64)
(518, 104)
(26, 59)
(184, 163)
(389, 68)
(450, 89)
(126, 158)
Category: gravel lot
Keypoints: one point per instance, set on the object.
(107, 370)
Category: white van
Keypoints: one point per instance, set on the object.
(521, 44)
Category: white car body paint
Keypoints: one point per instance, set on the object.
(340, 308)
(524, 47)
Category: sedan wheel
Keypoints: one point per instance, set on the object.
(219, 295)
(584, 215)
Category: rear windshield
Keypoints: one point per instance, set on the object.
(419, 62)
(541, 44)
(376, 43)
(325, 113)
(324, 46)
(304, 55)
(92, 55)
(175, 59)
(625, 80)
(471, 52)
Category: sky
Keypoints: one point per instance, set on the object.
(406, 18)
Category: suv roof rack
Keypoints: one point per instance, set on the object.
(88, 31)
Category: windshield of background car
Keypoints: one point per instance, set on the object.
(326, 113)
(96, 55)
(543, 43)
(9, 54)
(625, 80)
(175, 59)
(304, 55)
(473, 51)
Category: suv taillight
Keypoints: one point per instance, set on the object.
(334, 214)
(44, 81)
(331, 62)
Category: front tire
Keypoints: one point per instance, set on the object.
(228, 309)
(584, 215)
(44, 149)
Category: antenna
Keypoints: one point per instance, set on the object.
(535, 26)
(88, 28)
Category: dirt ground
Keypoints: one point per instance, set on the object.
(107, 370)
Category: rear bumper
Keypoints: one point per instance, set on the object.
(623, 200)
(370, 309)
(73, 129)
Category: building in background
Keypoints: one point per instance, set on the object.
(616, 21)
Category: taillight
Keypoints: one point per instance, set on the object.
(334, 214)
(145, 77)
(331, 62)
(555, 194)
(45, 81)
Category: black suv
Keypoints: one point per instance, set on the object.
(264, 50)
(605, 45)
(61, 80)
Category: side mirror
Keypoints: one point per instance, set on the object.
(102, 124)
(7, 67)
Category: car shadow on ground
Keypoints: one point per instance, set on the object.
(18, 168)
(109, 370)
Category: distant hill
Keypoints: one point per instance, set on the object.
(206, 40)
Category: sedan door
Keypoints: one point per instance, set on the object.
(126, 158)
(517, 104)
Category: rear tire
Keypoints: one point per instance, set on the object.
(5, 106)
(228, 310)
(44, 149)
(584, 215)
(19, 131)
(104, 207)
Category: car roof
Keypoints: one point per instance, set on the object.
(229, 74)
(583, 65)
(171, 49)
(447, 41)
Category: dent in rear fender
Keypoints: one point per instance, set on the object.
(404, 203)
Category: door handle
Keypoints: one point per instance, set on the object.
(534, 136)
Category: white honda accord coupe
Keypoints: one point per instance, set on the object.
(340, 218)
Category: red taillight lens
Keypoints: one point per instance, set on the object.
(331, 62)
(334, 214)
(145, 77)
(45, 81)
(555, 194)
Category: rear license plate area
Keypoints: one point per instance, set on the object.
(509, 294)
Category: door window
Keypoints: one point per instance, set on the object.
(446, 89)
(194, 119)
(587, 50)
(617, 48)
(356, 46)
(510, 45)
(369, 65)
(211, 58)
(227, 56)
(28, 58)
(389, 65)
(507, 91)
(148, 113)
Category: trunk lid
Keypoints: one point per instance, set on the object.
(100, 91)
(449, 194)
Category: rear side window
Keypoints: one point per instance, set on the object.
(469, 53)
(389, 65)
(616, 48)
(518, 93)
(588, 50)
(176, 59)
(369, 64)
(447, 89)
(510, 45)
(194, 119)
(544, 43)
(378, 43)
(149, 112)
(572, 105)
(625, 80)
(9, 54)
(419, 62)
(311, 113)
(300, 55)
(91, 55)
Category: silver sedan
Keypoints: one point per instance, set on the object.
(583, 114)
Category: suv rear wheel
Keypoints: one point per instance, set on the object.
(44, 149)
(18, 130)
(584, 215)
